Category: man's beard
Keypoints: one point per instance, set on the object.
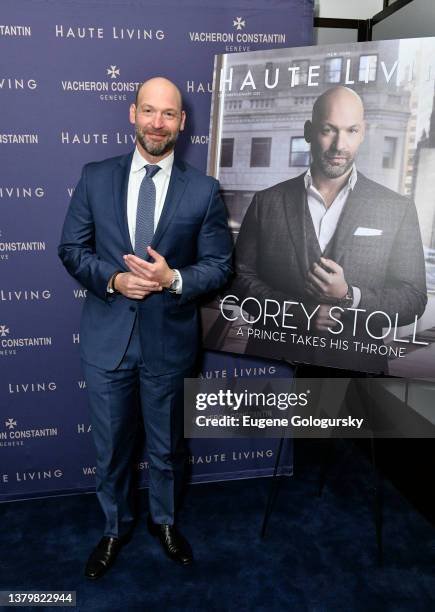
(156, 148)
(332, 171)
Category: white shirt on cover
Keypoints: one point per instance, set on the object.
(325, 220)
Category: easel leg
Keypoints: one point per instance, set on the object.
(378, 501)
(274, 485)
(273, 490)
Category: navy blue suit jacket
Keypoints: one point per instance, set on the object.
(193, 236)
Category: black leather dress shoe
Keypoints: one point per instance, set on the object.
(103, 556)
(173, 543)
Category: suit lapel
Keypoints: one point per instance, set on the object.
(176, 187)
(120, 192)
(294, 209)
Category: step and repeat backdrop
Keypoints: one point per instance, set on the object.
(68, 73)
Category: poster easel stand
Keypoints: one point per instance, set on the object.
(377, 485)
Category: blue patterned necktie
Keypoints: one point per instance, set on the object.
(146, 204)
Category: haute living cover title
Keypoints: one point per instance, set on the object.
(291, 75)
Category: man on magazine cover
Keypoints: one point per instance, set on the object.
(332, 237)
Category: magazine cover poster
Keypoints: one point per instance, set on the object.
(326, 159)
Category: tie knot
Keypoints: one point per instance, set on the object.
(151, 170)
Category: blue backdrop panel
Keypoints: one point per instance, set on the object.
(68, 73)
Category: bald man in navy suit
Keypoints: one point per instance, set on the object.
(147, 235)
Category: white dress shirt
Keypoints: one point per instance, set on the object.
(161, 182)
(325, 220)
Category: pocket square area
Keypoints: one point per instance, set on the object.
(367, 231)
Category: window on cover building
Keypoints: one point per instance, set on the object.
(367, 63)
(299, 152)
(389, 152)
(333, 69)
(227, 151)
(301, 75)
(260, 152)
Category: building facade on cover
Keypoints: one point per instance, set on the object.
(262, 141)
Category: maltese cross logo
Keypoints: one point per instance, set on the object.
(113, 72)
(10, 423)
(239, 23)
(4, 331)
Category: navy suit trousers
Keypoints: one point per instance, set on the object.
(113, 399)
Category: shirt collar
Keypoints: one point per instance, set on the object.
(138, 162)
(308, 180)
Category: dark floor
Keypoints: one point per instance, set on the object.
(319, 554)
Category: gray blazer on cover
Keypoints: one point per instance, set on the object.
(272, 258)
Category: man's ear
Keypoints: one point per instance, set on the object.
(132, 113)
(183, 120)
(307, 130)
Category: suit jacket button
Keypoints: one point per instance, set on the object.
(132, 308)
